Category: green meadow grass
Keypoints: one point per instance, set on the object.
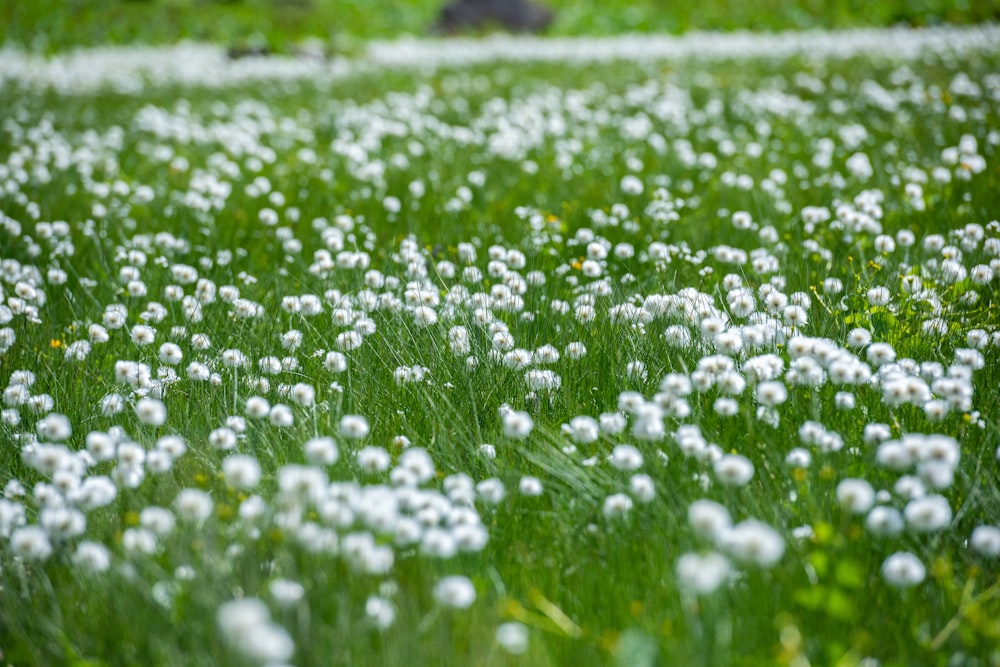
(340, 24)
(591, 589)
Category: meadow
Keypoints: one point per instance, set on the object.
(344, 26)
(625, 350)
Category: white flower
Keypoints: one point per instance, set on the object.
(490, 491)
(626, 457)
(257, 407)
(159, 520)
(771, 393)
(438, 543)
(303, 394)
(455, 592)
(143, 334)
(193, 505)
(92, 557)
(354, 427)
(726, 407)
(54, 427)
(612, 423)
(708, 518)
(903, 570)
(286, 592)
(170, 354)
(530, 486)
(617, 505)
(291, 339)
(242, 471)
(512, 637)
(985, 540)
(380, 611)
(880, 354)
(642, 488)
(30, 543)
(754, 542)
(151, 411)
(583, 429)
(335, 362)
(246, 625)
(631, 185)
(702, 573)
(517, 425)
(734, 470)
(424, 316)
(798, 458)
(928, 514)
(139, 541)
(373, 459)
(855, 495)
(222, 438)
(281, 415)
(884, 521)
(321, 451)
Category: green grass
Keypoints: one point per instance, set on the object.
(340, 24)
(592, 590)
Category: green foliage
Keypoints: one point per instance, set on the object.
(592, 589)
(281, 25)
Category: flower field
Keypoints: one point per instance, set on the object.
(630, 350)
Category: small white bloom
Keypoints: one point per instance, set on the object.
(903, 570)
(321, 451)
(755, 542)
(708, 518)
(354, 427)
(617, 505)
(517, 425)
(928, 513)
(512, 637)
(92, 557)
(855, 495)
(631, 185)
(193, 505)
(286, 592)
(530, 486)
(702, 573)
(242, 471)
(733, 470)
(455, 592)
(883, 521)
(151, 411)
(985, 540)
(30, 543)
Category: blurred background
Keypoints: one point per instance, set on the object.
(258, 27)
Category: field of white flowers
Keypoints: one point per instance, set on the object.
(627, 351)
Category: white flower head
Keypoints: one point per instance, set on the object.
(702, 573)
(755, 542)
(455, 592)
(517, 425)
(733, 470)
(512, 637)
(985, 541)
(617, 505)
(903, 570)
(354, 427)
(855, 495)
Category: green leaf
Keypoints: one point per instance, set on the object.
(883, 322)
(848, 574)
(820, 562)
(839, 605)
(812, 597)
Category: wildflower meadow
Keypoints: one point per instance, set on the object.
(625, 350)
